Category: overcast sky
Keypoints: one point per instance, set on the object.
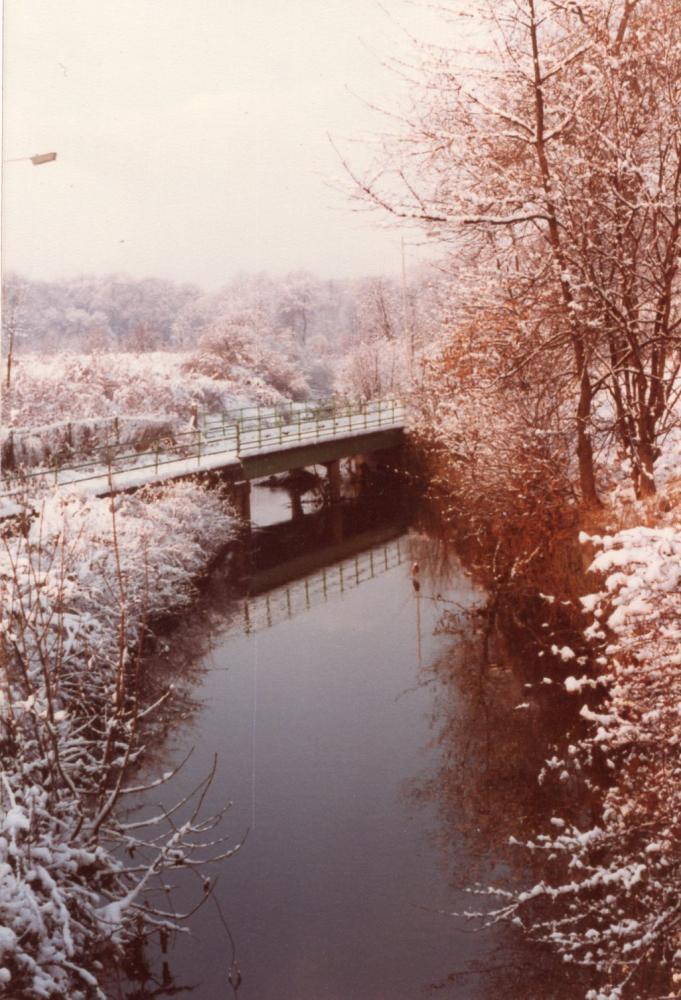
(192, 135)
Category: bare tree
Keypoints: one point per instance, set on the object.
(550, 164)
(12, 301)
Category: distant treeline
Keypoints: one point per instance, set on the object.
(117, 312)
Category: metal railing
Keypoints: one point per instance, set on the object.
(284, 603)
(217, 440)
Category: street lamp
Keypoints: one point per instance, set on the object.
(35, 160)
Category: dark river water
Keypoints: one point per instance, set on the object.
(372, 765)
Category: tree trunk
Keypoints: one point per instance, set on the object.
(587, 475)
(585, 455)
(644, 483)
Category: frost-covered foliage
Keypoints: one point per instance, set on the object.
(120, 313)
(245, 351)
(93, 311)
(77, 591)
(54, 444)
(550, 164)
(397, 330)
(611, 901)
(76, 386)
(373, 369)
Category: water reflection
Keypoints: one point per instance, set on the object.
(498, 713)
(378, 761)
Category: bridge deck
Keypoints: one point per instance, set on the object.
(245, 445)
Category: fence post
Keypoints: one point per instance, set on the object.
(158, 445)
(238, 438)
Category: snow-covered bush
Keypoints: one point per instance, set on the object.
(78, 589)
(611, 903)
(243, 349)
(374, 368)
(66, 387)
(54, 444)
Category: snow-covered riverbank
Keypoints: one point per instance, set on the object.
(77, 594)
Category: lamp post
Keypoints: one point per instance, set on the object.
(36, 160)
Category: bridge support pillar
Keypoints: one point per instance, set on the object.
(242, 500)
(333, 470)
(296, 505)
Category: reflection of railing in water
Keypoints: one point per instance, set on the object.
(284, 603)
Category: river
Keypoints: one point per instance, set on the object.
(374, 769)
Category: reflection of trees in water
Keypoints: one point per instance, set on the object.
(495, 723)
(611, 873)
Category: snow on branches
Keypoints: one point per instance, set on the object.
(550, 166)
(611, 899)
(77, 592)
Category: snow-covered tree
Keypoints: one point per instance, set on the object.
(551, 161)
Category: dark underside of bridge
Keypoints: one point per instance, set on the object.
(315, 453)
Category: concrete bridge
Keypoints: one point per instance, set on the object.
(241, 445)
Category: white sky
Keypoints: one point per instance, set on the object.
(191, 135)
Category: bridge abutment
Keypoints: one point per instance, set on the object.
(241, 496)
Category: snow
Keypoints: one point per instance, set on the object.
(618, 889)
(564, 652)
(67, 595)
(223, 452)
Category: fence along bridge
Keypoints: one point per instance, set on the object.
(243, 445)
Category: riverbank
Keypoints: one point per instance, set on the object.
(600, 590)
(79, 591)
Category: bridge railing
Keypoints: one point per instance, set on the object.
(287, 602)
(216, 441)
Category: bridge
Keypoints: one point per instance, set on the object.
(242, 445)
